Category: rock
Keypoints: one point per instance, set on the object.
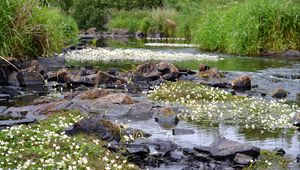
(194, 155)
(280, 93)
(174, 156)
(147, 70)
(140, 111)
(296, 120)
(91, 31)
(53, 63)
(182, 131)
(105, 129)
(139, 150)
(2, 109)
(298, 158)
(279, 151)
(113, 148)
(161, 146)
(81, 88)
(119, 31)
(242, 83)
(242, 159)
(166, 118)
(114, 71)
(291, 53)
(151, 161)
(17, 122)
(223, 148)
(31, 76)
(203, 68)
(89, 80)
(4, 97)
(86, 72)
(11, 90)
(105, 78)
(168, 71)
(12, 79)
(94, 94)
(58, 76)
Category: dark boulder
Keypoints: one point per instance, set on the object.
(86, 72)
(280, 93)
(161, 146)
(140, 150)
(182, 131)
(31, 76)
(298, 158)
(241, 83)
(89, 80)
(279, 151)
(105, 78)
(147, 70)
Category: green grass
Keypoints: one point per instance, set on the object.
(28, 29)
(268, 161)
(250, 27)
(43, 145)
(160, 20)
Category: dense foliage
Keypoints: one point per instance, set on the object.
(251, 27)
(28, 29)
(96, 13)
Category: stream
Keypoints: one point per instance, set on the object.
(267, 73)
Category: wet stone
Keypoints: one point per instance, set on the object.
(298, 158)
(279, 151)
(17, 122)
(223, 148)
(182, 131)
(139, 150)
(242, 159)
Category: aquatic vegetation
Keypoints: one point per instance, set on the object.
(169, 45)
(269, 160)
(108, 54)
(215, 105)
(45, 146)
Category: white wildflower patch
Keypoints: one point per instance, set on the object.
(109, 54)
(170, 45)
(45, 146)
(207, 103)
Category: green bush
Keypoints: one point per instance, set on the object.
(251, 27)
(29, 30)
(96, 13)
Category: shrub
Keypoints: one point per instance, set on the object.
(251, 27)
(29, 30)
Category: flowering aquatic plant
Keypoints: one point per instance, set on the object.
(45, 146)
(109, 54)
(215, 105)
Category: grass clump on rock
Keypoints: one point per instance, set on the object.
(29, 29)
(215, 105)
(44, 145)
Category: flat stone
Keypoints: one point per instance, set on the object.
(16, 122)
(242, 159)
(182, 131)
(138, 149)
(223, 148)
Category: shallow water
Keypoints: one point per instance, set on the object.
(267, 73)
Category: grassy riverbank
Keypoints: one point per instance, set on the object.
(43, 145)
(29, 29)
(237, 27)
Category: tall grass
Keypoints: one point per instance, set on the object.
(251, 27)
(148, 21)
(28, 29)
